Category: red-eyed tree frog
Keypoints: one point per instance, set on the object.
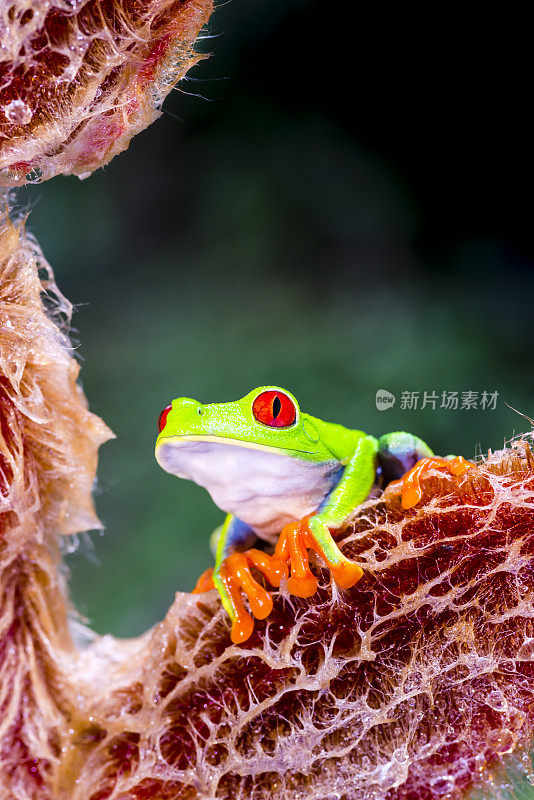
(287, 479)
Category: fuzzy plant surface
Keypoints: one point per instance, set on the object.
(79, 78)
(417, 684)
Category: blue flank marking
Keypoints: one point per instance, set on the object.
(336, 477)
(240, 536)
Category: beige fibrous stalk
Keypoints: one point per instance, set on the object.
(417, 684)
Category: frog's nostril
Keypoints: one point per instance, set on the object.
(200, 411)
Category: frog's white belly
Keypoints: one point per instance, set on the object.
(264, 488)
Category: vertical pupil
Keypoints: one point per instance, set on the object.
(277, 405)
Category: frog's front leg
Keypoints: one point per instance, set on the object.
(313, 532)
(232, 576)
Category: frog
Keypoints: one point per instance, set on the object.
(286, 480)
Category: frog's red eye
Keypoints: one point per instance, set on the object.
(162, 419)
(275, 409)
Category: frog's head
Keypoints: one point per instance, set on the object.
(267, 419)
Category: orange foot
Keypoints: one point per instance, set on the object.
(409, 486)
(235, 576)
(293, 545)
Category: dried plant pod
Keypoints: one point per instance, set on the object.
(48, 455)
(417, 684)
(79, 78)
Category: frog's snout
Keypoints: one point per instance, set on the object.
(184, 402)
(182, 417)
(186, 408)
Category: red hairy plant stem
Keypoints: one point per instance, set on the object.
(79, 78)
(48, 455)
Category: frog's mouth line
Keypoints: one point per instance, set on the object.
(177, 440)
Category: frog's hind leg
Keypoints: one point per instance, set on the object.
(403, 459)
(397, 453)
(232, 535)
(232, 576)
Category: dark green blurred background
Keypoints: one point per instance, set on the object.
(333, 204)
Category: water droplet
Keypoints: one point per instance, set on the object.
(496, 701)
(443, 785)
(35, 175)
(18, 112)
(72, 543)
(400, 755)
(526, 651)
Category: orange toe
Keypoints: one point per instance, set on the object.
(410, 497)
(305, 586)
(236, 574)
(293, 545)
(242, 622)
(346, 574)
(242, 628)
(459, 465)
(205, 582)
(274, 569)
(410, 486)
(238, 566)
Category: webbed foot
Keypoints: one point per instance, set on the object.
(234, 576)
(311, 533)
(410, 487)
